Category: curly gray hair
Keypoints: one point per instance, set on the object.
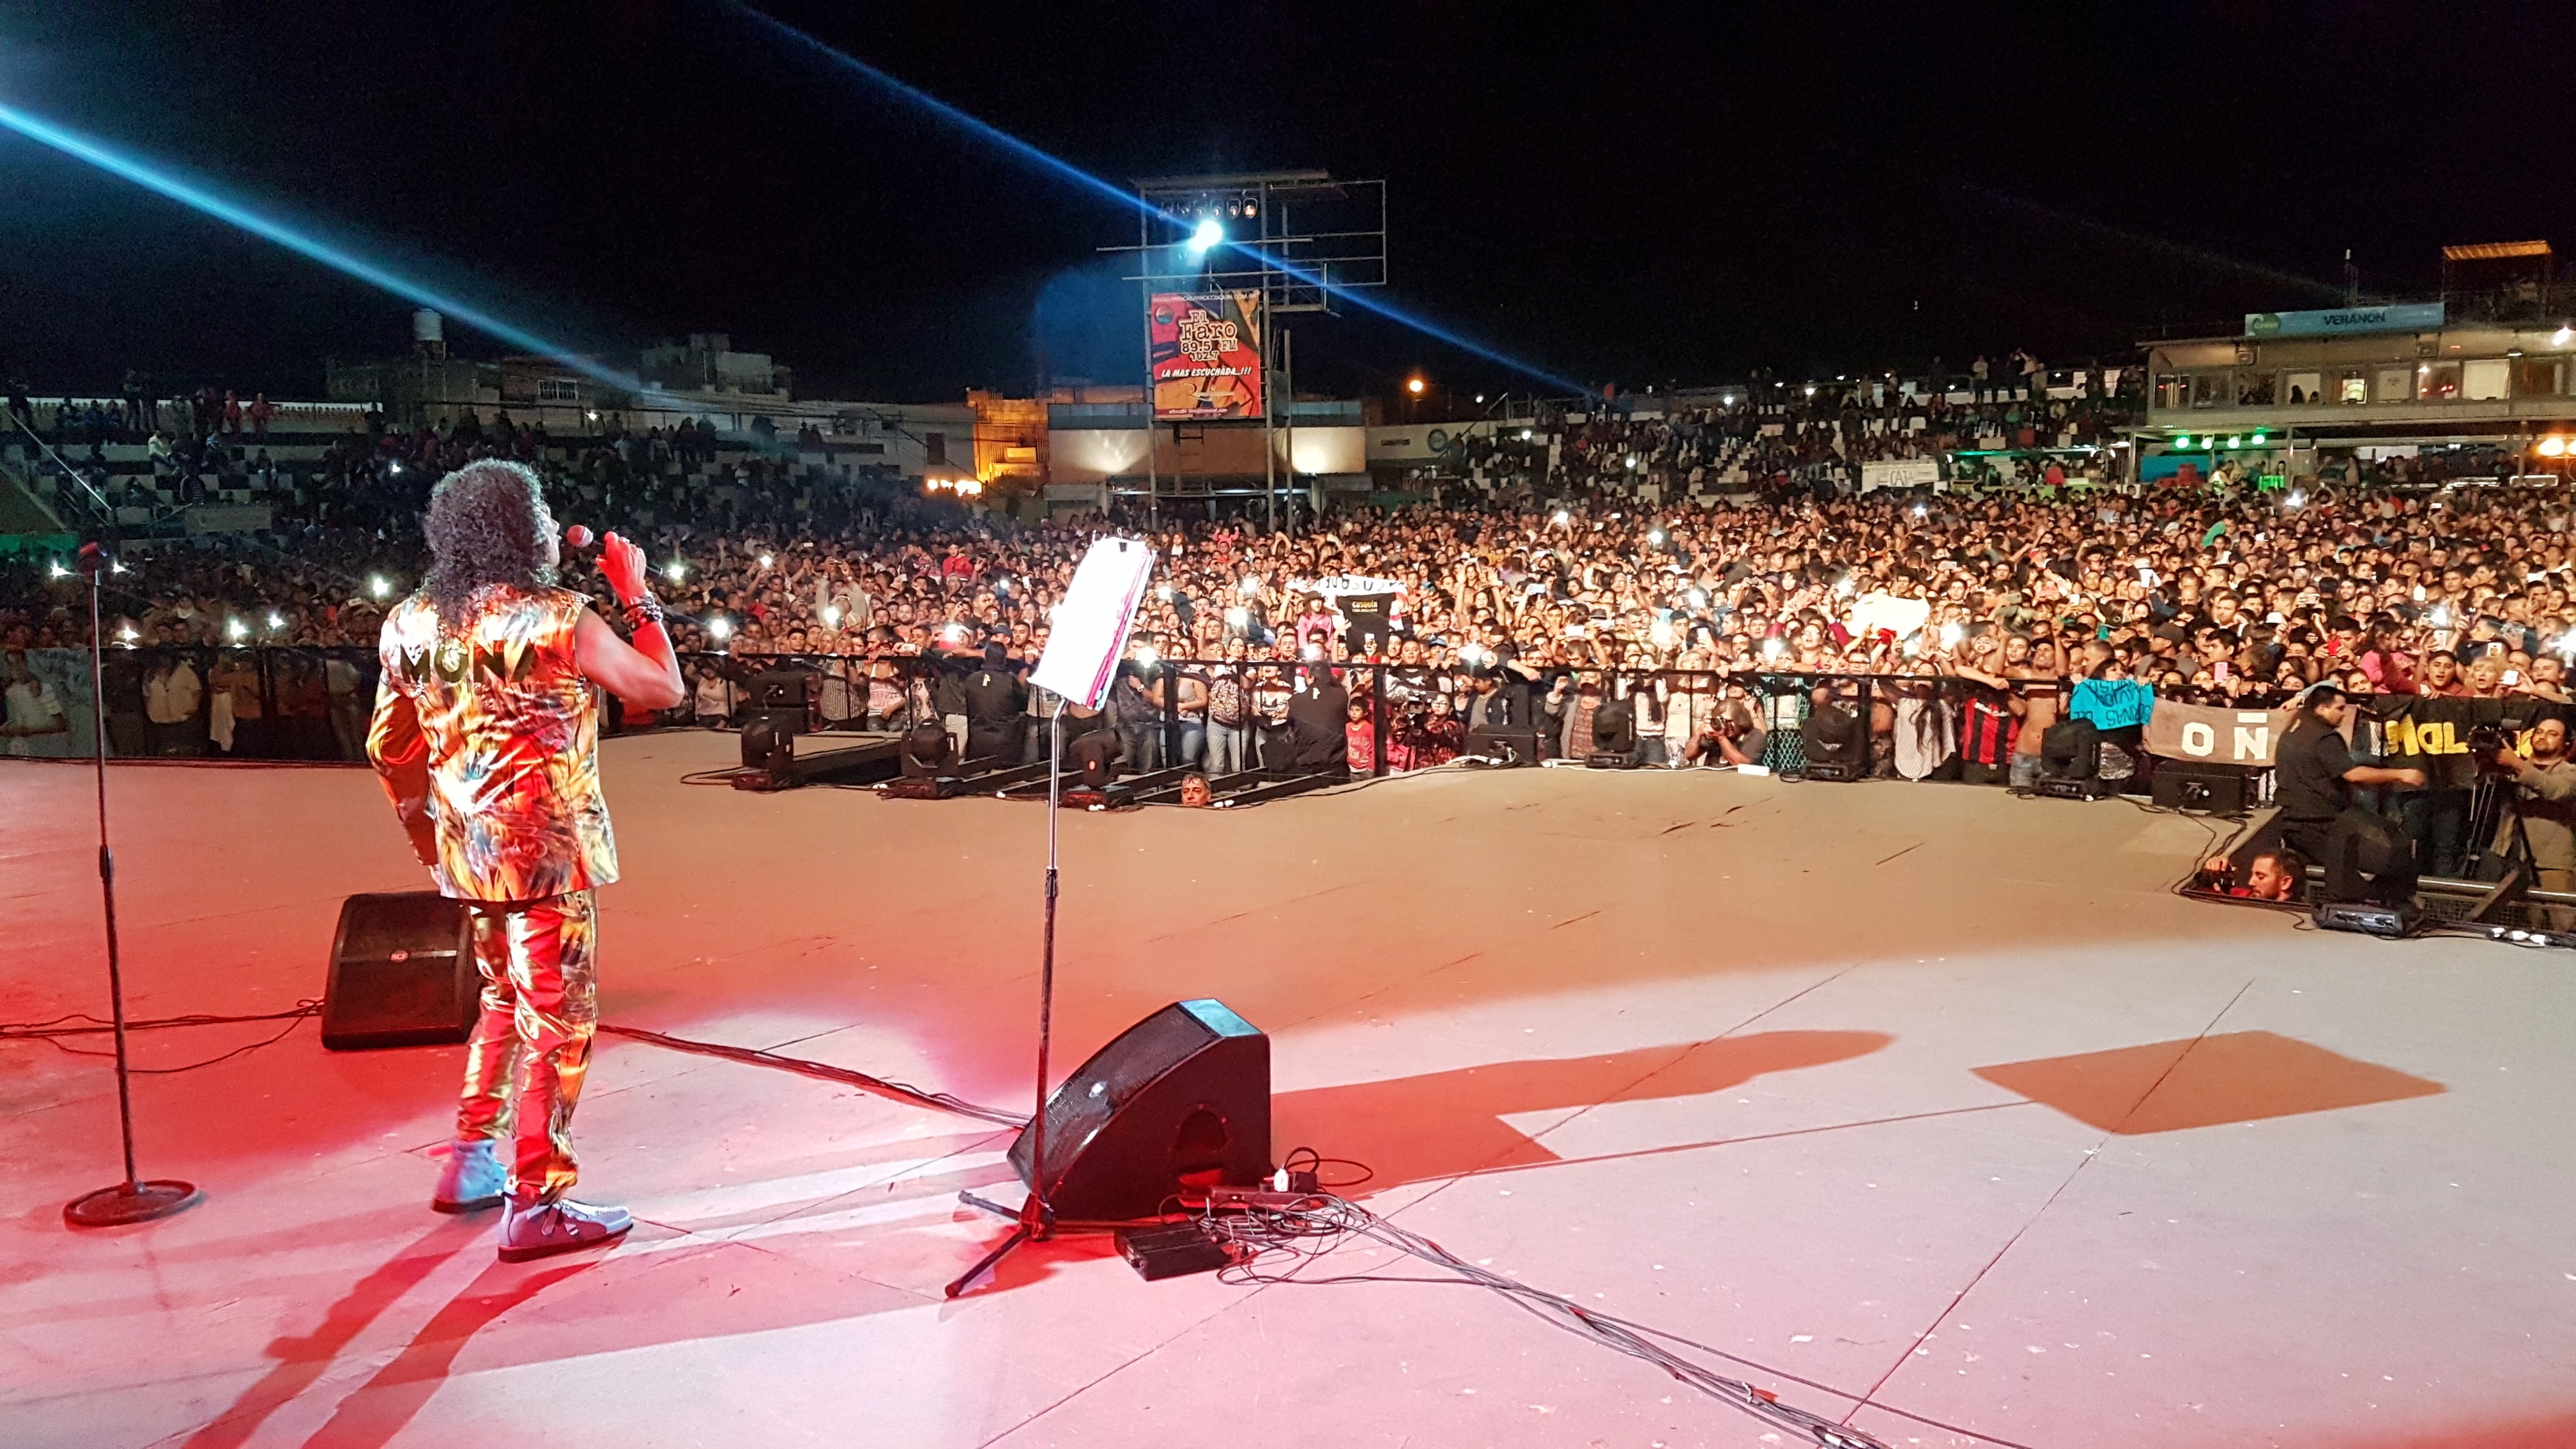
(487, 524)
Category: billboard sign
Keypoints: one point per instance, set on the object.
(1206, 355)
(2345, 321)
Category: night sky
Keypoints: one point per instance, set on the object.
(1615, 196)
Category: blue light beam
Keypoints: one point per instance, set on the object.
(232, 213)
(1049, 162)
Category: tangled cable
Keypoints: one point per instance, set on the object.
(52, 1032)
(1320, 1220)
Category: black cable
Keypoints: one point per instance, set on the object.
(52, 1032)
(1323, 1218)
(751, 1056)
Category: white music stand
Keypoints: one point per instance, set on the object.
(1087, 636)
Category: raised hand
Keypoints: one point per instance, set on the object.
(622, 564)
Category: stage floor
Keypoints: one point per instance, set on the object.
(1925, 1093)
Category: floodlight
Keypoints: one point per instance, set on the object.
(1210, 232)
(2553, 447)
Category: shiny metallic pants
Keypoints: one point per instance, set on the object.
(531, 1045)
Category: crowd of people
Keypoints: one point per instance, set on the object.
(1774, 437)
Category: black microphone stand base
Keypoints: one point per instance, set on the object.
(1033, 1223)
(130, 1202)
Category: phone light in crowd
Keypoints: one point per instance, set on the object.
(394, 468)
(127, 634)
(56, 570)
(1525, 435)
(1632, 462)
(275, 622)
(675, 571)
(1773, 648)
(1163, 592)
(235, 628)
(1238, 617)
(1562, 518)
(1660, 632)
(1146, 655)
(1251, 585)
(1208, 233)
(1699, 598)
(719, 628)
(831, 616)
(2296, 499)
(378, 586)
(1951, 634)
(1847, 587)
(1655, 536)
(2553, 447)
(1922, 512)
(767, 559)
(2441, 616)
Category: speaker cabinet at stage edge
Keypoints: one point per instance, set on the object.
(402, 973)
(1180, 1099)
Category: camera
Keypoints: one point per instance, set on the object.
(2485, 740)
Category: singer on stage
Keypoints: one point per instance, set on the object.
(486, 735)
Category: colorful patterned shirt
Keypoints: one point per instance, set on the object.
(494, 723)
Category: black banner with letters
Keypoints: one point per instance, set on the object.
(2431, 733)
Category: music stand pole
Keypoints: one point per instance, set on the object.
(1037, 1219)
(133, 1200)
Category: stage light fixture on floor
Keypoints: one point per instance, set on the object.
(2370, 877)
(2070, 762)
(1835, 747)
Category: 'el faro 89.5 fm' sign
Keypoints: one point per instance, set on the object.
(1206, 354)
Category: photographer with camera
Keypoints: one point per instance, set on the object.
(2540, 808)
(1732, 735)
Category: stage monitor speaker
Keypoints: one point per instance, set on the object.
(1180, 1099)
(402, 973)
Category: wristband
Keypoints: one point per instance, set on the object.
(642, 610)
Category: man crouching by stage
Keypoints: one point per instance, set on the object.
(486, 735)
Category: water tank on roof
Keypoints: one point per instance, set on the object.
(428, 326)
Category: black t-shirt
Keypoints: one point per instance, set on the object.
(2308, 772)
(992, 696)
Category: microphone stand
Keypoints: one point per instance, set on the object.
(1036, 1217)
(133, 1200)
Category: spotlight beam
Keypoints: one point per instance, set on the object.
(233, 213)
(1049, 162)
